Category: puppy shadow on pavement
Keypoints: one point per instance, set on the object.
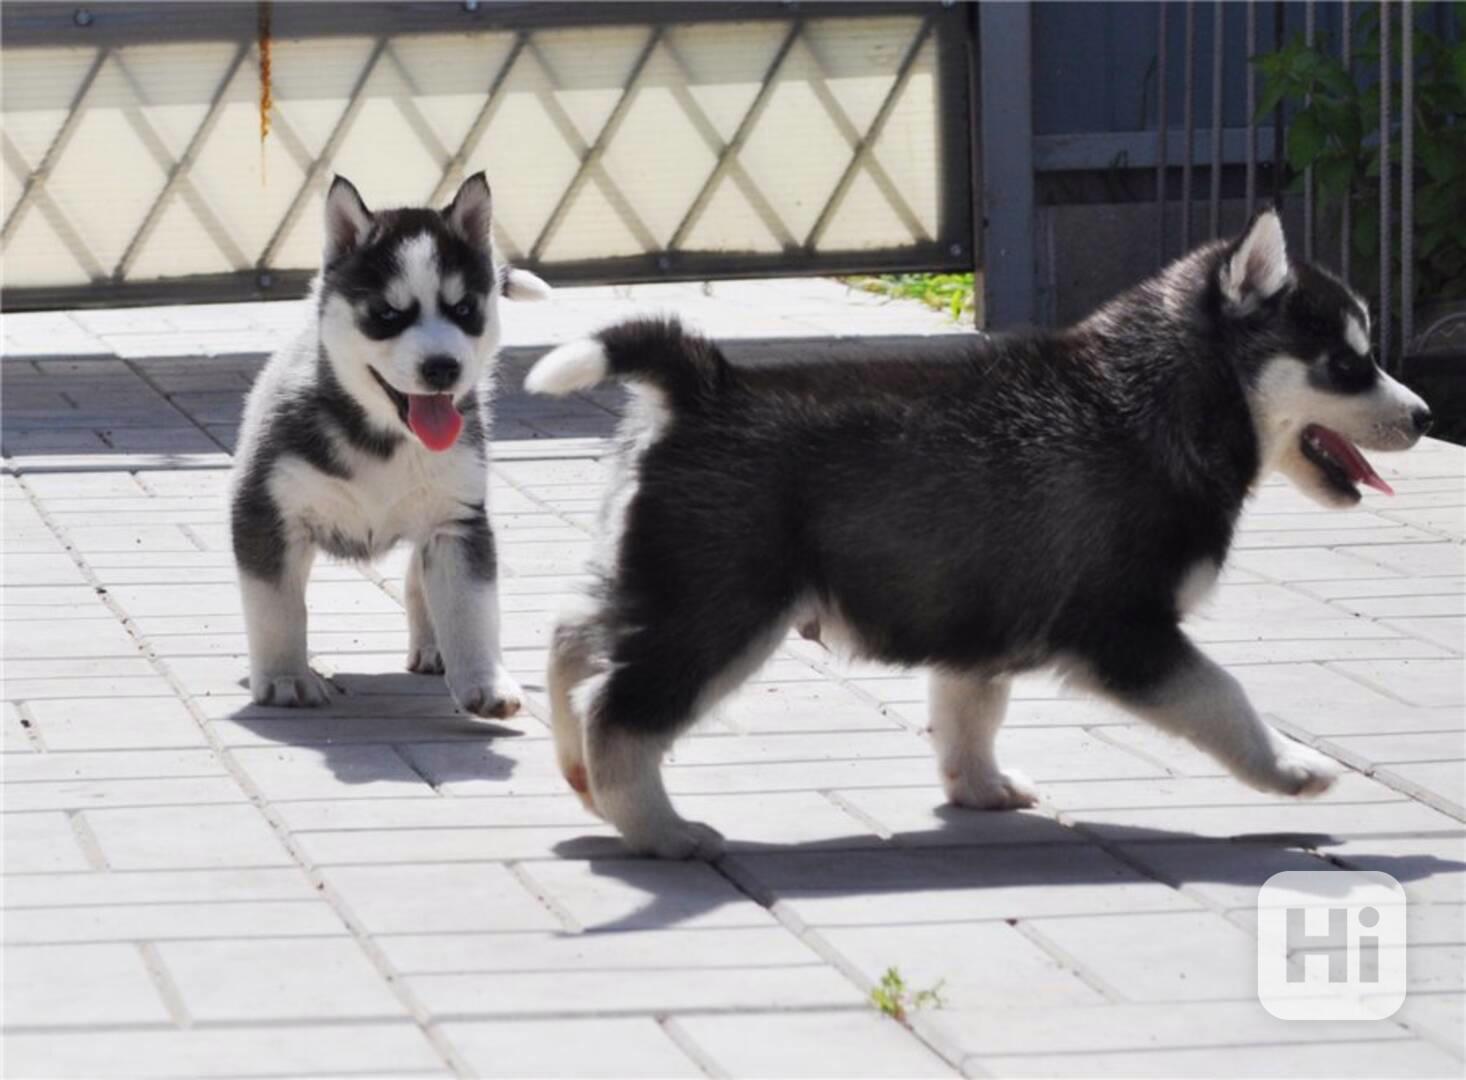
(1007, 858)
(367, 731)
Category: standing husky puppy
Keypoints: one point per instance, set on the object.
(1053, 500)
(372, 427)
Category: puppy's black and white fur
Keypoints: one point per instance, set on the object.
(334, 451)
(1057, 500)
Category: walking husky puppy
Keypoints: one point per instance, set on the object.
(1060, 499)
(371, 428)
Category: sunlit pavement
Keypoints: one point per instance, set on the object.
(196, 887)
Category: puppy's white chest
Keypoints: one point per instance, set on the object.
(407, 497)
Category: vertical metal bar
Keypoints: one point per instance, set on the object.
(1279, 25)
(1346, 213)
(1407, 181)
(1385, 241)
(976, 187)
(1006, 44)
(1251, 108)
(1216, 120)
(1308, 34)
(1162, 170)
(1189, 105)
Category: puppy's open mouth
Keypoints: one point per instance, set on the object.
(1344, 468)
(433, 418)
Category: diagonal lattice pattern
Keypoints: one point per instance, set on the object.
(634, 147)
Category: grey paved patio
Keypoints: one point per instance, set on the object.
(197, 887)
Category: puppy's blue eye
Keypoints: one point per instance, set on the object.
(462, 310)
(385, 313)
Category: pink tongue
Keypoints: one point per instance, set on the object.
(1354, 463)
(434, 420)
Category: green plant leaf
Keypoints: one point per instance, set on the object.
(1431, 240)
(1306, 139)
(1434, 204)
(1332, 174)
(1272, 93)
(1332, 77)
(1366, 232)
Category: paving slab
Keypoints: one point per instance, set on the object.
(589, 1047)
(195, 886)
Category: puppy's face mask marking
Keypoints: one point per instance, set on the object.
(410, 309)
(1316, 393)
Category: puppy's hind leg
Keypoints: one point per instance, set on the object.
(966, 711)
(571, 663)
(659, 682)
(423, 656)
(275, 624)
(627, 789)
(1162, 677)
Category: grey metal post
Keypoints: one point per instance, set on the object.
(1189, 150)
(1385, 240)
(1346, 214)
(1162, 122)
(1005, 43)
(1407, 181)
(1251, 108)
(1308, 33)
(1215, 208)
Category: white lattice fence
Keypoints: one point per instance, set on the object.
(633, 149)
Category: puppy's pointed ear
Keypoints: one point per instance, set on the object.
(1256, 268)
(522, 285)
(347, 220)
(469, 213)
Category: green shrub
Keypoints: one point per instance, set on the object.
(1337, 133)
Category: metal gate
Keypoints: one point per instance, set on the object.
(178, 151)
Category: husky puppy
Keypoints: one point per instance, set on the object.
(371, 428)
(1054, 500)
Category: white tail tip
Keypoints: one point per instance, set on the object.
(576, 366)
(522, 285)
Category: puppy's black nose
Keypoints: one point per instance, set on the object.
(440, 372)
(1422, 420)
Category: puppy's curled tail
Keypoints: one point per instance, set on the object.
(688, 368)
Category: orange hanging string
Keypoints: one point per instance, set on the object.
(266, 11)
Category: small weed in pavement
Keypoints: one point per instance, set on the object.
(894, 998)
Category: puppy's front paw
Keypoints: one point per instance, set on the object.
(678, 839)
(498, 697)
(304, 690)
(424, 660)
(1299, 770)
(999, 789)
